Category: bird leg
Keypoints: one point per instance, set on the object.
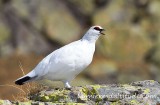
(67, 85)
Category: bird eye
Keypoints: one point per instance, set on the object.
(97, 28)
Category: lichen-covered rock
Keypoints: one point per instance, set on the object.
(137, 93)
(48, 17)
(5, 102)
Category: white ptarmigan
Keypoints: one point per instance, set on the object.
(65, 63)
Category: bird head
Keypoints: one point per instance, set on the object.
(98, 30)
(93, 33)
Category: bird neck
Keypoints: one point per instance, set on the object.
(91, 38)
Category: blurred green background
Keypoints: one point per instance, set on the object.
(31, 29)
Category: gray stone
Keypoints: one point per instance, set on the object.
(136, 93)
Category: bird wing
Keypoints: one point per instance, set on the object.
(60, 58)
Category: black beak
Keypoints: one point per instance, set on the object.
(102, 31)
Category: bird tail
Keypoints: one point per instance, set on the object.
(23, 80)
(29, 77)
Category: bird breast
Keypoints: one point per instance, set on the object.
(84, 56)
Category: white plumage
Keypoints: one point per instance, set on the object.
(65, 63)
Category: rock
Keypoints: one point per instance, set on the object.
(4, 35)
(154, 7)
(136, 93)
(102, 71)
(152, 57)
(146, 83)
(48, 17)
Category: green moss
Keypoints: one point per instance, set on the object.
(5, 102)
(84, 93)
(152, 81)
(94, 90)
(116, 103)
(40, 103)
(1, 102)
(146, 91)
(91, 92)
(56, 96)
(45, 98)
(24, 103)
(75, 104)
(84, 90)
(134, 102)
(98, 99)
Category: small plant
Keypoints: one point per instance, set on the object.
(27, 90)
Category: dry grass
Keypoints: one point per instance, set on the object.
(24, 91)
(27, 90)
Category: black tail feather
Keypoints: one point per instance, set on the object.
(22, 80)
